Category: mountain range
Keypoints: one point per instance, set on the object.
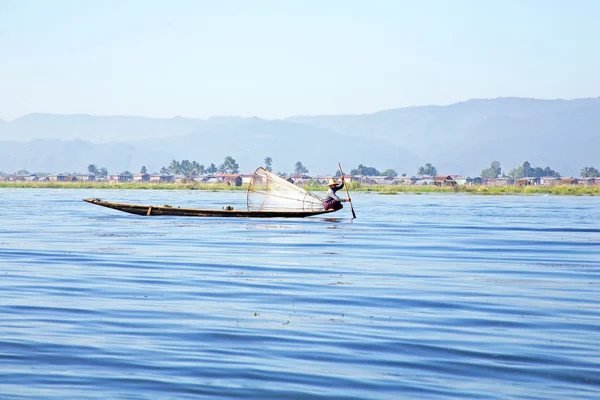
(461, 138)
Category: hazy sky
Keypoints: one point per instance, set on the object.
(275, 59)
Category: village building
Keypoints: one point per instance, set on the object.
(84, 178)
(569, 181)
(463, 180)
(589, 181)
(297, 178)
(549, 181)
(500, 182)
(383, 180)
(527, 181)
(229, 179)
(246, 178)
(119, 178)
(404, 180)
(162, 178)
(59, 178)
(424, 182)
(22, 178)
(444, 181)
(141, 178)
(211, 180)
(233, 180)
(184, 179)
(303, 182)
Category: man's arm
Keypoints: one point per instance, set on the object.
(333, 195)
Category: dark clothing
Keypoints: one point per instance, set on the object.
(332, 204)
(331, 200)
(331, 192)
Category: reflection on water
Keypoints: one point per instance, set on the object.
(429, 296)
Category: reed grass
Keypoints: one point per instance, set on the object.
(575, 190)
(123, 185)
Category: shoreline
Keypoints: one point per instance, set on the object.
(568, 190)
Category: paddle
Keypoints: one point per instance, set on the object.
(348, 193)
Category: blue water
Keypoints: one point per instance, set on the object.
(422, 296)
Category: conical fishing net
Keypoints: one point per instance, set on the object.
(269, 192)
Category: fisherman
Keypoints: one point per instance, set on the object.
(332, 202)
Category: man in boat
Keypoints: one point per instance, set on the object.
(332, 202)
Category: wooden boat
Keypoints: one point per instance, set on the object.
(166, 210)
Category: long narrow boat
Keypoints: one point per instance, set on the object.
(268, 196)
(166, 210)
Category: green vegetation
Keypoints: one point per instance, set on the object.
(493, 171)
(98, 172)
(191, 168)
(526, 170)
(269, 164)
(300, 169)
(362, 170)
(313, 186)
(427, 170)
(589, 172)
(571, 190)
(122, 185)
(389, 172)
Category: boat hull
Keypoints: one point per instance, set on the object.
(165, 210)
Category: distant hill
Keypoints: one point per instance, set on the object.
(461, 138)
(248, 140)
(465, 137)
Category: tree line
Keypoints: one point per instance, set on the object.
(364, 170)
(527, 170)
(494, 171)
(229, 165)
(194, 168)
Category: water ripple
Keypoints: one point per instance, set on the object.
(429, 297)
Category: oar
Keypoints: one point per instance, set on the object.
(347, 192)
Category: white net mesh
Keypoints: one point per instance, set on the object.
(269, 192)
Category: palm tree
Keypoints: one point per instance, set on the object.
(268, 164)
(174, 167)
(526, 169)
(185, 167)
(300, 169)
(197, 169)
(212, 168)
(431, 170)
(230, 165)
(92, 169)
(589, 172)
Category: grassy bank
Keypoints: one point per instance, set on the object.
(481, 190)
(353, 187)
(125, 185)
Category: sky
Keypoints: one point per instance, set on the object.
(275, 59)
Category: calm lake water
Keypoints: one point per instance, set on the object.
(422, 296)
